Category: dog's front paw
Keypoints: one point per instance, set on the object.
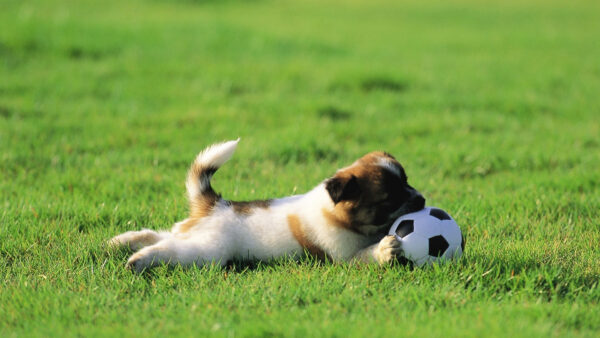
(388, 249)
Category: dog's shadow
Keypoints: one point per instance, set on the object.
(241, 266)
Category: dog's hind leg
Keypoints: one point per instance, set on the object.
(183, 251)
(136, 240)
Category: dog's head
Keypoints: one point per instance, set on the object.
(371, 193)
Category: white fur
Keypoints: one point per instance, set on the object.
(262, 234)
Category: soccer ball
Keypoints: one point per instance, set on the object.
(428, 235)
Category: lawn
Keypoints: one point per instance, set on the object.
(491, 106)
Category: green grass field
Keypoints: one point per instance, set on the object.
(492, 107)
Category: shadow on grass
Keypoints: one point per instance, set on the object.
(243, 266)
(370, 83)
(334, 113)
(308, 152)
(383, 83)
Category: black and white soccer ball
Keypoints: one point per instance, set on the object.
(429, 235)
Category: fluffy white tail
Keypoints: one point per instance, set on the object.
(200, 193)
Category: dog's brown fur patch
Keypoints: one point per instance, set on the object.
(351, 214)
(296, 228)
(366, 166)
(245, 208)
(188, 224)
(202, 206)
(205, 199)
(338, 218)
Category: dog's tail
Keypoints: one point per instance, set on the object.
(200, 193)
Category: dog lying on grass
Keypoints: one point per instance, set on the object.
(344, 218)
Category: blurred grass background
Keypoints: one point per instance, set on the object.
(492, 107)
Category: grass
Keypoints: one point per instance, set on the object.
(491, 107)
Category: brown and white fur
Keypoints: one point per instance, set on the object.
(344, 218)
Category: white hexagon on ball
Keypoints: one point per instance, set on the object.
(427, 227)
(415, 247)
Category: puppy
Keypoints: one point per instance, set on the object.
(344, 218)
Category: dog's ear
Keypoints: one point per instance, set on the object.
(342, 188)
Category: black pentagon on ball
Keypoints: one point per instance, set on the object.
(439, 214)
(405, 227)
(437, 246)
